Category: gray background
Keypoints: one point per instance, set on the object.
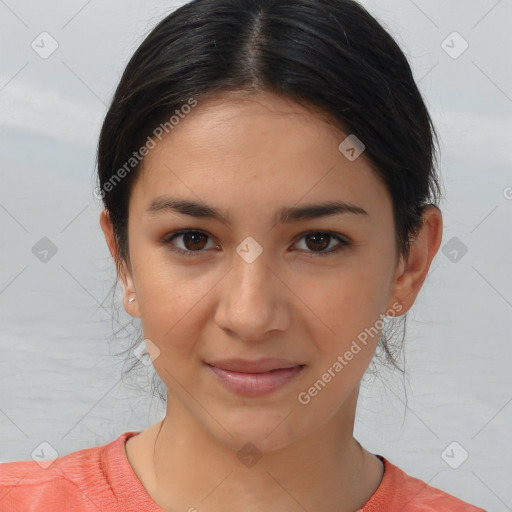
(60, 377)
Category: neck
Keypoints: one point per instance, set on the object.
(187, 469)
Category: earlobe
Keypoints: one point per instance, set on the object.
(413, 270)
(123, 274)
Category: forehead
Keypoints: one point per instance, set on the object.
(260, 146)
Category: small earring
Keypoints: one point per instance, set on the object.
(131, 300)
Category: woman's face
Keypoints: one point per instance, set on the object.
(253, 285)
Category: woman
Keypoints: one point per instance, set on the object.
(267, 170)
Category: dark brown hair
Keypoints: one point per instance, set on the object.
(331, 55)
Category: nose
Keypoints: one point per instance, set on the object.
(252, 300)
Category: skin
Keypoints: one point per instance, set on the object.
(251, 156)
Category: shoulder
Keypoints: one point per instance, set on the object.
(400, 491)
(76, 479)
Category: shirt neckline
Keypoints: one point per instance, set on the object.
(134, 497)
(127, 488)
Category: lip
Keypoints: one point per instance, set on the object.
(256, 366)
(255, 378)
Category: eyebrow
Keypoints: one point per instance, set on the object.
(286, 215)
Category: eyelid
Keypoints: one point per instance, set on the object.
(343, 241)
(167, 241)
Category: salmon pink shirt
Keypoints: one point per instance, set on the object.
(101, 479)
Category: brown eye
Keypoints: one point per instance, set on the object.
(193, 242)
(318, 241)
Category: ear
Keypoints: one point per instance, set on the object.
(412, 271)
(123, 273)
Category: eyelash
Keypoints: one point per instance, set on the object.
(343, 243)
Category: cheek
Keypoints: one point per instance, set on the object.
(343, 305)
(170, 296)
